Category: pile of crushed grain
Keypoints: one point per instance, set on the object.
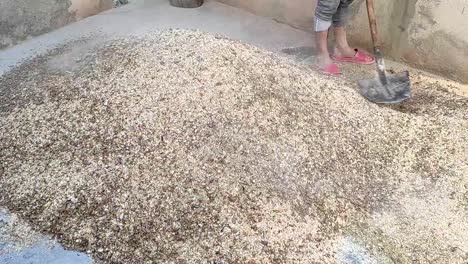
(183, 147)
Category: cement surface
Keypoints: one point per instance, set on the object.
(19, 244)
(43, 253)
(24, 19)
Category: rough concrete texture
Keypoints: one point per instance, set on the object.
(184, 147)
(86, 8)
(298, 13)
(23, 19)
(431, 35)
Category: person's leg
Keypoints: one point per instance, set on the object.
(342, 48)
(343, 52)
(323, 21)
(323, 56)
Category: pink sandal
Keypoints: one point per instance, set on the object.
(360, 58)
(331, 69)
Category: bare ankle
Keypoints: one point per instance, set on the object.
(344, 51)
(324, 59)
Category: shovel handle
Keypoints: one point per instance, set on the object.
(373, 23)
(379, 60)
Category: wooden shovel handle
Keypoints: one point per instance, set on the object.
(373, 23)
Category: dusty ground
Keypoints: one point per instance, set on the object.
(17, 233)
(182, 147)
(20, 244)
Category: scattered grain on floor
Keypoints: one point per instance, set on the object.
(184, 147)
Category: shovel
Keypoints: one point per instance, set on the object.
(384, 88)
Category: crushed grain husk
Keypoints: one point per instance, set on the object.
(184, 147)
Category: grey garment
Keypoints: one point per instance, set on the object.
(321, 25)
(331, 11)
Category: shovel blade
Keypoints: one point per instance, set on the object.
(396, 89)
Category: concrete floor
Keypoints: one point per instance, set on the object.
(143, 16)
(19, 244)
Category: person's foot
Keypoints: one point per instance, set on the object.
(354, 56)
(324, 60)
(327, 66)
(344, 52)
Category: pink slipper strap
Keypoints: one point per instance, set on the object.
(360, 57)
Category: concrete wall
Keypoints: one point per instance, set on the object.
(429, 34)
(298, 13)
(85, 8)
(22, 19)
